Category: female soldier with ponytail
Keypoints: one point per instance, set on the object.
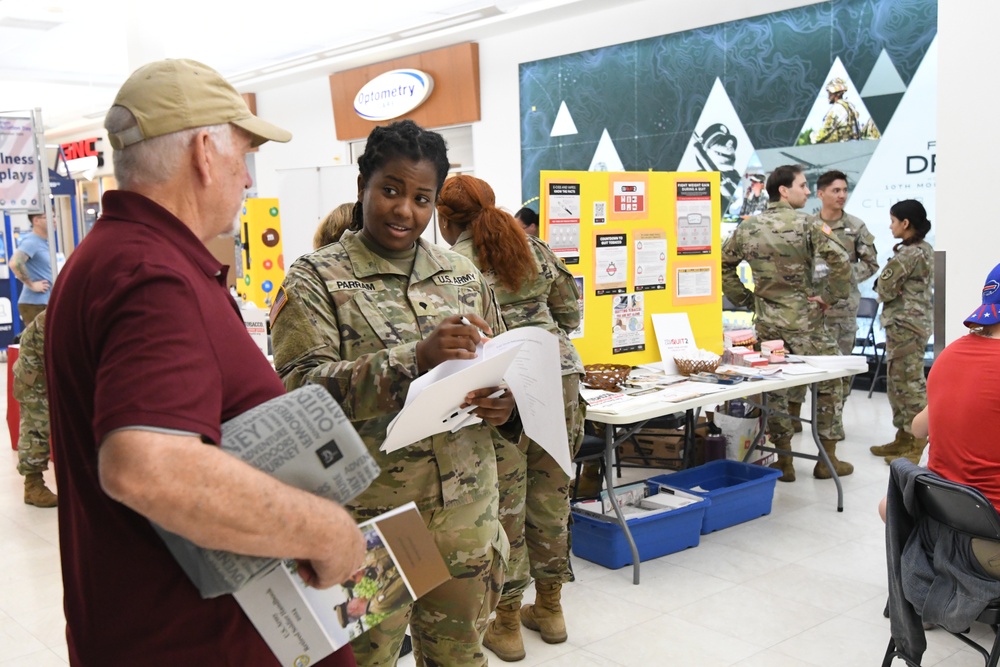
(533, 288)
(904, 288)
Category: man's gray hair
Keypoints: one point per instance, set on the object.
(155, 160)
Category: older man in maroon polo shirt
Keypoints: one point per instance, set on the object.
(147, 356)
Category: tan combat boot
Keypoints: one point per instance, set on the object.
(503, 634)
(545, 616)
(36, 493)
(913, 454)
(843, 468)
(784, 463)
(901, 444)
(795, 409)
(591, 481)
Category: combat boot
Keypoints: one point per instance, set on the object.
(784, 463)
(36, 493)
(545, 616)
(843, 468)
(591, 481)
(901, 444)
(503, 634)
(913, 454)
(795, 410)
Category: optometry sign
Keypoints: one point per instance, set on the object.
(393, 94)
(19, 176)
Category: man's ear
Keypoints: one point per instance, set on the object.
(203, 156)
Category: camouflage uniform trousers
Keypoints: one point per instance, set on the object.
(907, 388)
(829, 400)
(845, 331)
(534, 503)
(33, 439)
(448, 623)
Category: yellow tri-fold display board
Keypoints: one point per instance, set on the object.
(638, 244)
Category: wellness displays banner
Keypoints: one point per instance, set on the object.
(19, 179)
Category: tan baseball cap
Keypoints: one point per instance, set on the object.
(172, 95)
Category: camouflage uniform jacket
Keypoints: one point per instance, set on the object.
(29, 369)
(347, 319)
(840, 124)
(860, 246)
(904, 287)
(781, 247)
(548, 301)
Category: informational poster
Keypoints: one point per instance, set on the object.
(19, 176)
(580, 301)
(674, 336)
(650, 259)
(694, 218)
(610, 263)
(564, 221)
(694, 281)
(600, 212)
(628, 332)
(629, 196)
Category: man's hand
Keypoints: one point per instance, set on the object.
(39, 285)
(495, 411)
(344, 559)
(451, 340)
(823, 305)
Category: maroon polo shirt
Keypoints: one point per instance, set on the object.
(141, 330)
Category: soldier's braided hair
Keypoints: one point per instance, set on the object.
(402, 139)
(914, 212)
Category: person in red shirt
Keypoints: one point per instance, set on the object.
(146, 356)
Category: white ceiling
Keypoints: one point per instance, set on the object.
(68, 57)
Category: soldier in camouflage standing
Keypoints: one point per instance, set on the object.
(904, 288)
(30, 392)
(533, 288)
(842, 320)
(782, 248)
(364, 317)
(841, 122)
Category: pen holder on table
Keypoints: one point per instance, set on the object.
(690, 366)
(606, 376)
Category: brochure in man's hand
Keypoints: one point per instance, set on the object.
(304, 439)
(303, 625)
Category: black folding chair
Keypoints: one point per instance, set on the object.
(965, 509)
(868, 309)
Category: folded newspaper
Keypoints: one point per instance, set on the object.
(302, 438)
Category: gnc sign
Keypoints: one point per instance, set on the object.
(393, 94)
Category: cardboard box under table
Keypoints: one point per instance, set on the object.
(600, 539)
(739, 491)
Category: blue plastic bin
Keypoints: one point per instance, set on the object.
(602, 541)
(739, 491)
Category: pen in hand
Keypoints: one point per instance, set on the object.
(466, 322)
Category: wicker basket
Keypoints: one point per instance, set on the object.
(606, 376)
(688, 366)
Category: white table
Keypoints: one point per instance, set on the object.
(635, 418)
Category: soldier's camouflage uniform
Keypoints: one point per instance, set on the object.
(781, 247)
(30, 392)
(349, 319)
(842, 320)
(904, 288)
(841, 123)
(534, 490)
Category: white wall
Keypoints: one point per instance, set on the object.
(967, 226)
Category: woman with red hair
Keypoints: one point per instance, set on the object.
(533, 288)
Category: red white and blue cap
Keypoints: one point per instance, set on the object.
(989, 312)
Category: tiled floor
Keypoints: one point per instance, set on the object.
(804, 586)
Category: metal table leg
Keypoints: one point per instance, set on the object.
(609, 451)
(813, 394)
